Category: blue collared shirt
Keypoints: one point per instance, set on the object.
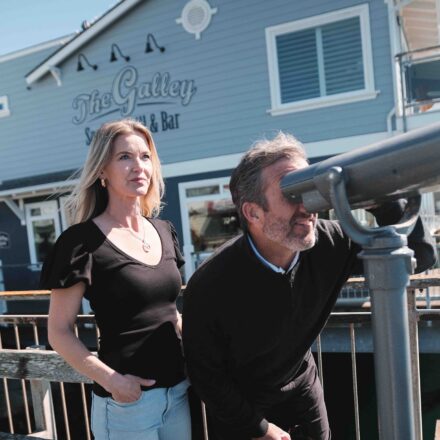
(270, 265)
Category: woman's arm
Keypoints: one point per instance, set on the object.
(64, 307)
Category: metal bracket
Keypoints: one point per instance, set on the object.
(56, 73)
(392, 235)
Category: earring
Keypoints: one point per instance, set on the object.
(102, 182)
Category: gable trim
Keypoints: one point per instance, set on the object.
(78, 41)
(36, 48)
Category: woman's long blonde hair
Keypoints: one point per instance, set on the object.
(89, 198)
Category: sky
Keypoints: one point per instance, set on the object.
(26, 23)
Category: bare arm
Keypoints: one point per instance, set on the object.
(64, 307)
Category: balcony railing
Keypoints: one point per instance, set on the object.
(46, 398)
(419, 80)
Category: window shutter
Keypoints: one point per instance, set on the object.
(342, 50)
(298, 66)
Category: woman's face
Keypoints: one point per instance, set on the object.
(128, 173)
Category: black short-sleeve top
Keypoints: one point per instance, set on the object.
(134, 303)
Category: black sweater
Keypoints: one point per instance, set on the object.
(247, 328)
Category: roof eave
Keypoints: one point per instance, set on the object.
(36, 190)
(78, 41)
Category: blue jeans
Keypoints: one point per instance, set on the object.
(159, 414)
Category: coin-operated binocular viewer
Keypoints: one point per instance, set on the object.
(403, 166)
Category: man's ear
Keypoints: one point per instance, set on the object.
(252, 213)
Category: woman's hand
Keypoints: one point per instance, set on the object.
(126, 388)
(274, 433)
(178, 325)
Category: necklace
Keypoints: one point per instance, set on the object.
(145, 245)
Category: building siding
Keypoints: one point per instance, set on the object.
(228, 64)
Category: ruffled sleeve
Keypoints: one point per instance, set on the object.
(179, 257)
(69, 262)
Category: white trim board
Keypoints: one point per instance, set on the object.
(35, 190)
(217, 163)
(85, 36)
(314, 149)
(37, 48)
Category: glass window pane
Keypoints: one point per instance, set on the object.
(298, 65)
(44, 235)
(343, 62)
(212, 223)
(203, 191)
(35, 212)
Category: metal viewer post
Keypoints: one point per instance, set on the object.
(388, 263)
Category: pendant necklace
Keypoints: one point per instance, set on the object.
(145, 245)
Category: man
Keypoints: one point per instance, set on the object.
(253, 309)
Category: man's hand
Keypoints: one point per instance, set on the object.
(126, 388)
(274, 433)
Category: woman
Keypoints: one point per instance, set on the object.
(126, 263)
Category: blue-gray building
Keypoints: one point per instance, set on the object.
(208, 78)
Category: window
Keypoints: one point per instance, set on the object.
(320, 61)
(43, 228)
(66, 221)
(4, 107)
(209, 219)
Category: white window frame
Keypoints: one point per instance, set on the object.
(52, 206)
(62, 208)
(187, 246)
(5, 111)
(369, 92)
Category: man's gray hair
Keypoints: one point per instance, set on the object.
(246, 182)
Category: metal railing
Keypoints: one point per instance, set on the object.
(419, 80)
(45, 397)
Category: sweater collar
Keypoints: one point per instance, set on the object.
(270, 265)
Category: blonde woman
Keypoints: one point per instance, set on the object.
(125, 261)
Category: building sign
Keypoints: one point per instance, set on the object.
(5, 243)
(129, 93)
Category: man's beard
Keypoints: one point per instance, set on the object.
(277, 232)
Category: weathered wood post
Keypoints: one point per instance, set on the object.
(42, 403)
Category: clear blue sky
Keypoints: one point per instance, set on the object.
(26, 23)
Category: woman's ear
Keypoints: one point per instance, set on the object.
(252, 213)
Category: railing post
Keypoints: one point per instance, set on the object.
(2, 287)
(42, 403)
(413, 319)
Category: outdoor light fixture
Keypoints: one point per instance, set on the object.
(113, 54)
(148, 48)
(80, 67)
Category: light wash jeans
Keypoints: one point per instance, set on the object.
(159, 414)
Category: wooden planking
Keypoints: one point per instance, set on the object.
(39, 320)
(418, 281)
(14, 295)
(38, 364)
(8, 436)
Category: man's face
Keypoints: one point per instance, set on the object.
(285, 223)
